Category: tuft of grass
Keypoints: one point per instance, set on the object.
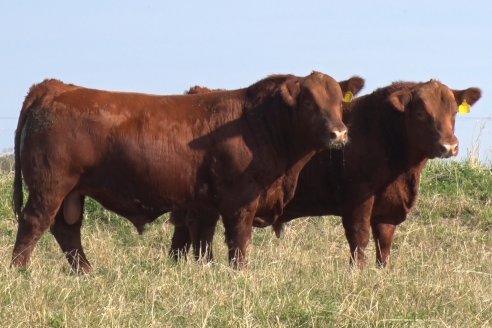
(456, 191)
(441, 276)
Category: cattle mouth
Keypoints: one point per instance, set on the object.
(337, 144)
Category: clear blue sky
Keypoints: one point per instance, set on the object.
(165, 47)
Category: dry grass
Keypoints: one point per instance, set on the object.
(442, 275)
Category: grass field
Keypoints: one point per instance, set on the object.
(442, 274)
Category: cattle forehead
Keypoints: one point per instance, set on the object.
(321, 84)
(437, 96)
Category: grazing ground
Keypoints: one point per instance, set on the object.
(441, 276)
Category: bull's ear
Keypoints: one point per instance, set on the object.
(352, 85)
(290, 90)
(470, 95)
(400, 99)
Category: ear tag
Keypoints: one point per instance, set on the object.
(348, 96)
(464, 108)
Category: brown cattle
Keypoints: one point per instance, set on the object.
(198, 227)
(374, 181)
(237, 152)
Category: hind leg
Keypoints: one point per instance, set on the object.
(35, 219)
(68, 236)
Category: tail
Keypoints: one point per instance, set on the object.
(18, 195)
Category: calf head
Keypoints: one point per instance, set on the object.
(317, 100)
(430, 109)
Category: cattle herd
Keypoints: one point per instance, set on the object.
(285, 147)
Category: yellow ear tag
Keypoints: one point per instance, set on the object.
(348, 96)
(464, 108)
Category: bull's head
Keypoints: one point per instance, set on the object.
(430, 109)
(317, 99)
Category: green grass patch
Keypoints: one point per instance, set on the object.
(456, 191)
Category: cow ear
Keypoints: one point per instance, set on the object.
(400, 99)
(470, 95)
(352, 85)
(290, 90)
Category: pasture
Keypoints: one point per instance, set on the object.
(441, 275)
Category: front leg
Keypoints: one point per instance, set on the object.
(202, 230)
(238, 226)
(181, 240)
(356, 222)
(383, 237)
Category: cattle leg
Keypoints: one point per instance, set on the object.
(202, 232)
(357, 230)
(181, 240)
(202, 247)
(383, 237)
(238, 230)
(36, 218)
(68, 237)
(180, 243)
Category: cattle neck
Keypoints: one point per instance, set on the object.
(410, 157)
(373, 115)
(274, 123)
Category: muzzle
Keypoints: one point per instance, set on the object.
(447, 150)
(337, 137)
